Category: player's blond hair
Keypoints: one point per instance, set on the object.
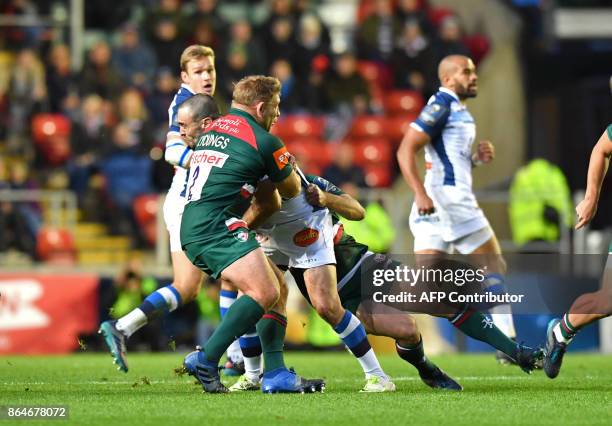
(195, 51)
(256, 88)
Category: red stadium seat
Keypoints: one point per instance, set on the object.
(299, 126)
(403, 102)
(396, 127)
(378, 76)
(55, 245)
(368, 126)
(51, 134)
(145, 210)
(377, 176)
(311, 154)
(478, 45)
(373, 151)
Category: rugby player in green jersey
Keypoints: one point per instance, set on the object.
(589, 307)
(229, 159)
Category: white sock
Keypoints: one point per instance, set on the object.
(234, 353)
(252, 367)
(559, 336)
(371, 366)
(131, 322)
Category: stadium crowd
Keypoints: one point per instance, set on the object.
(108, 120)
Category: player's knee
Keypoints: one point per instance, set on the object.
(187, 288)
(327, 310)
(267, 296)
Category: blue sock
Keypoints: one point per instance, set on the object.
(226, 299)
(165, 299)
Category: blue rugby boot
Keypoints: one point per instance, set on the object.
(115, 340)
(207, 373)
(554, 351)
(438, 379)
(282, 380)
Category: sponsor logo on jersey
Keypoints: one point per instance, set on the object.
(306, 237)
(281, 157)
(207, 156)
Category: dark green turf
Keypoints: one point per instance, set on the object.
(98, 394)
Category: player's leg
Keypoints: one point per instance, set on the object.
(235, 363)
(585, 310)
(321, 286)
(185, 288)
(252, 275)
(390, 322)
(488, 254)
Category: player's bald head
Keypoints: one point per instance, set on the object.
(450, 64)
(458, 73)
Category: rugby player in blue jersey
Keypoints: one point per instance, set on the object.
(445, 215)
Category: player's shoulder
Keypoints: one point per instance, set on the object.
(182, 94)
(436, 110)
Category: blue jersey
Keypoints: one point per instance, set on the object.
(177, 152)
(452, 130)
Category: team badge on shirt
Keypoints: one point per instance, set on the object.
(432, 113)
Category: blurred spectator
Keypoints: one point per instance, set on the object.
(128, 174)
(203, 33)
(235, 68)
(280, 43)
(133, 113)
(343, 170)
(19, 222)
(168, 44)
(311, 44)
(242, 38)
(450, 39)
(158, 101)
(62, 83)
(164, 11)
(290, 89)
(207, 12)
(89, 140)
(346, 89)
(99, 76)
(376, 229)
(134, 59)
(410, 11)
(414, 61)
(27, 94)
(107, 15)
(376, 35)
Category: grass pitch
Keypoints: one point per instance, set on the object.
(151, 393)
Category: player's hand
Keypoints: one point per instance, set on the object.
(485, 152)
(425, 205)
(315, 196)
(585, 210)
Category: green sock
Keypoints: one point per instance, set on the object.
(271, 330)
(415, 355)
(567, 329)
(476, 325)
(239, 319)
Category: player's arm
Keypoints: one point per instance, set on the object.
(266, 201)
(177, 152)
(278, 166)
(598, 165)
(322, 193)
(414, 140)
